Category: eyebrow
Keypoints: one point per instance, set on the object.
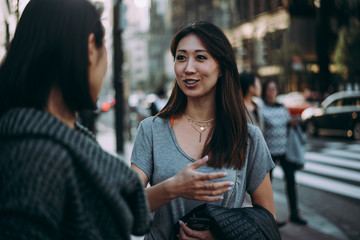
(198, 50)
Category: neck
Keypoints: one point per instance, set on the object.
(57, 107)
(248, 102)
(271, 101)
(201, 111)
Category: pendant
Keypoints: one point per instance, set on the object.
(202, 128)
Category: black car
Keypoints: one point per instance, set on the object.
(339, 114)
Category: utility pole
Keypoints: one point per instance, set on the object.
(322, 44)
(118, 78)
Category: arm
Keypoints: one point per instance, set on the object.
(263, 195)
(260, 163)
(188, 183)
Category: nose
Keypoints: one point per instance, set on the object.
(190, 67)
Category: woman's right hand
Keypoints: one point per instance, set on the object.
(190, 184)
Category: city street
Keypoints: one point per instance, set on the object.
(328, 186)
(329, 183)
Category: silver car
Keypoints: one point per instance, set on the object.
(338, 114)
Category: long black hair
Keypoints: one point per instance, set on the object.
(50, 48)
(228, 143)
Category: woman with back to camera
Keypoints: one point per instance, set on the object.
(276, 120)
(203, 119)
(56, 182)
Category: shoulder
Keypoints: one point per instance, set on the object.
(154, 122)
(36, 154)
(253, 131)
(36, 166)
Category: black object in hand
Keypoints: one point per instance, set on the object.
(199, 224)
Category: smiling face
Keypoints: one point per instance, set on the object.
(196, 71)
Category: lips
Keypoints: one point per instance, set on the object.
(190, 82)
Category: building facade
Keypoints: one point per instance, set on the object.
(291, 41)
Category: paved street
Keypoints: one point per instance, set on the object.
(328, 187)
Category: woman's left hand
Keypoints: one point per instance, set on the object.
(187, 233)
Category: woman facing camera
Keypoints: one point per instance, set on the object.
(203, 119)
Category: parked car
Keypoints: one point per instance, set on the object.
(339, 114)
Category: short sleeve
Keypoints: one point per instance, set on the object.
(259, 159)
(142, 153)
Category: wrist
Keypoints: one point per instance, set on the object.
(170, 187)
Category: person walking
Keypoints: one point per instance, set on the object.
(251, 88)
(203, 119)
(56, 181)
(159, 102)
(276, 121)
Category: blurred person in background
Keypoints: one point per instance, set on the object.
(276, 120)
(56, 182)
(203, 119)
(251, 88)
(159, 102)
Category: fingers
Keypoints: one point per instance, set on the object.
(210, 191)
(206, 176)
(213, 186)
(200, 162)
(212, 176)
(187, 233)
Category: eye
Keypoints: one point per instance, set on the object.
(180, 58)
(201, 57)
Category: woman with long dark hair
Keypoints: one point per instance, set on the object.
(205, 118)
(56, 182)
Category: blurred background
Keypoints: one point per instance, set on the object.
(311, 47)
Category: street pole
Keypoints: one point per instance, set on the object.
(322, 45)
(118, 79)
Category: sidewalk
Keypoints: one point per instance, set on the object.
(318, 228)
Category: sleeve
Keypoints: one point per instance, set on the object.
(259, 160)
(142, 152)
(32, 194)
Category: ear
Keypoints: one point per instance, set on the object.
(91, 49)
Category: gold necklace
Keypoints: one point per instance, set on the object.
(203, 125)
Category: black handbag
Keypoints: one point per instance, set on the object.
(251, 223)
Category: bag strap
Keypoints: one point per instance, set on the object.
(233, 191)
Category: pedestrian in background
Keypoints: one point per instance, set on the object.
(159, 102)
(204, 119)
(276, 121)
(251, 88)
(56, 182)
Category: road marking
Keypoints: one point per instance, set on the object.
(354, 147)
(333, 171)
(318, 157)
(341, 153)
(322, 183)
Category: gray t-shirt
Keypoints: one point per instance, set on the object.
(157, 153)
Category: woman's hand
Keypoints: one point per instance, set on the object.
(186, 233)
(190, 184)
